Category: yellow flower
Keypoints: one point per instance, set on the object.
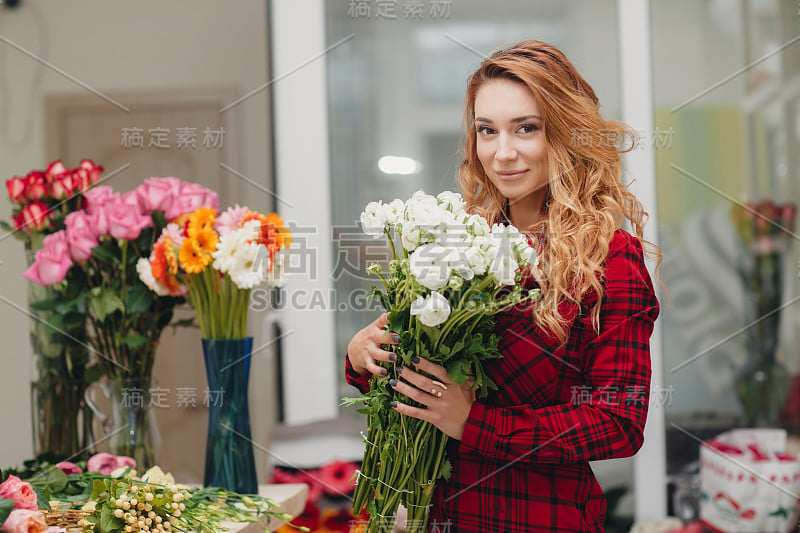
(192, 257)
(207, 239)
(202, 218)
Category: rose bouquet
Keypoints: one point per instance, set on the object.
(91, 265)
(216, 261)
(66, 498)
(40, 202)
(452, 274)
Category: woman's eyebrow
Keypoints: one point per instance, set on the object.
(513, 120)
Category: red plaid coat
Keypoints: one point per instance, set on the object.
(522, 464)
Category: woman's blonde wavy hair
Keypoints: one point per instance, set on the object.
(585, 201)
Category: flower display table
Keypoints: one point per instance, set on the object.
(290, 496)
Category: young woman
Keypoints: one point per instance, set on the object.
(574, 381)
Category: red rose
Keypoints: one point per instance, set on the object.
(93, 170)
(65, 184)
(54, 169)
(20, 491)
(16, 189)
(35, 186)
(32, 217)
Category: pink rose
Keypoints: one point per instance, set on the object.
(51, 262)
(97, 197)
(81, 230)
(35, 186)
(157, 194)
(25, 521)
(16, 189)
(20, 491)
(69, 468)
(125, 221)
(32, 217)
(105, 463)
(93, 170)
(190, 197)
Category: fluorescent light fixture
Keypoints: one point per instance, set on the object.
(392, 164)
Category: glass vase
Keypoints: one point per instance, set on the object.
(762, 383)
(62, 422)
(131, 427)
(230, 462)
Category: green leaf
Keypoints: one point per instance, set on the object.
(103, 253)
(104, 304)
(54, 324)
(139, 299)
(56, 479)
(98, 488)
(5, 509)
(134, 341)
(43, 305)
(446, 470)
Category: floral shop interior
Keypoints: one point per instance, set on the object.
(190, 248)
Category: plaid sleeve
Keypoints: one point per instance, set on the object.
(359, 381)
(618, 359)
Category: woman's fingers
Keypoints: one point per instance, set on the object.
(433, 369)
(412, 392)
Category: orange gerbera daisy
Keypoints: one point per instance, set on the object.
(284, 236)
(202, 218)
(192, 257)
(164, 264)
(207, 239)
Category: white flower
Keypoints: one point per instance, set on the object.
(452, 201)
(410, 236)
(394, 211)
(157, 476)
(428, 264)
(477, 225)
(432, 310)
(146, 275)
(423, 210)
(247, 268)
(504, 268)
(373, 219)
(117, 472)
(459, 262)
(477, 259)
(526, 254)
(225, 254)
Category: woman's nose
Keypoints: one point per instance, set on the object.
(505, 148)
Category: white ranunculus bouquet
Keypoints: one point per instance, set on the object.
(450, 275)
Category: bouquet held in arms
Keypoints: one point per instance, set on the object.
(452, 273)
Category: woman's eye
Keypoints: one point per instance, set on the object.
(528, 128)
(485, 130)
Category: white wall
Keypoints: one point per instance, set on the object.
(113, 46)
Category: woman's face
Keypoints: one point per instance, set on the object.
(511, 143)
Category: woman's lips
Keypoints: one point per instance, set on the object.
(511, 174)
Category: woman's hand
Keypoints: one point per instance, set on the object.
(448, 404)
(365, 347)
